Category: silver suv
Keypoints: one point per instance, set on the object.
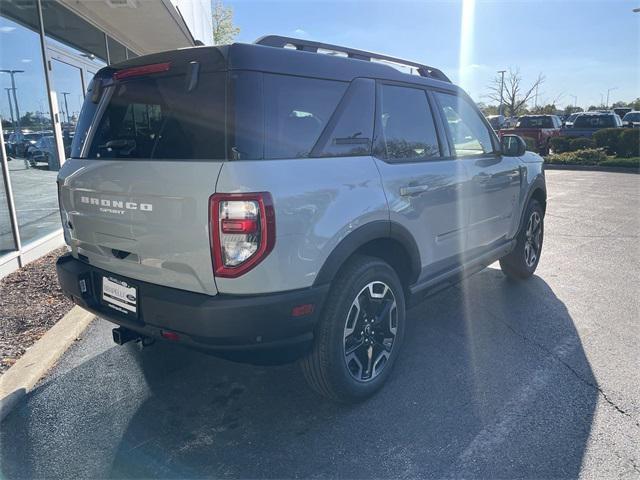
(268, 203)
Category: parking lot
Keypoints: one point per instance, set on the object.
(497, 380)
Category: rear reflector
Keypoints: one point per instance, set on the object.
(173, 336)
(302, 310)
(142, 70)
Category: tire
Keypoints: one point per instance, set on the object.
(357, 305)
(523, 260)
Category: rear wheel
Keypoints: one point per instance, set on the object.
(360, 332)
(523, 259)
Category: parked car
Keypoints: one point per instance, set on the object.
(568, 122)
(622, 111)
(586, 124)
(301, 223)
(44, 151)
(496, 121)
(631, 119)
(540, 128)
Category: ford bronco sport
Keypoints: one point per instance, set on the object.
(262, 199)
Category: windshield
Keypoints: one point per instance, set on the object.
(155, 118)
(632, 117)
(535, 122)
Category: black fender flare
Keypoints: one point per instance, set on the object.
(538, 184)
(379, 229)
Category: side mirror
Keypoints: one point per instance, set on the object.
(513, 145)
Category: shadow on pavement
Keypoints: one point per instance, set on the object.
(493, 382)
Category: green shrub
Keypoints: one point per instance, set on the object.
(589, 156)
(581, 143)
(608, 138)
(628, 143)
(559, 144)
(622, 162)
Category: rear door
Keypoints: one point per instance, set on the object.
(494, 186)
(424, 184)
(145, 160)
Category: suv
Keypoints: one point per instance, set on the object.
(268, 204)
(539, 128)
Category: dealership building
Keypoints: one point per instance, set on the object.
(49, 51)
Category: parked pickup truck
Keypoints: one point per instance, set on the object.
(540, 128)
(586, 124)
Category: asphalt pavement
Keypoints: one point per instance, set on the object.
(536, 379)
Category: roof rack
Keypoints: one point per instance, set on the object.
(310, 46)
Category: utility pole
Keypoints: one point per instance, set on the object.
(501, 72)
(608, 91)
(10, 106)
(575, 100)
(16, 127)
(66, 106)
(535, 101)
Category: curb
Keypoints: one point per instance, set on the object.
(23, 375)
(589, 168)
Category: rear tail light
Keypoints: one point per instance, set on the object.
(243, 231)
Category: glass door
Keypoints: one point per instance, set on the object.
(68, 84)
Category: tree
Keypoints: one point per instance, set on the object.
(224, 31)
(546, 109)
(569, 109)
(514, 95)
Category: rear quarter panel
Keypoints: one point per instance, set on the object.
(317, 201)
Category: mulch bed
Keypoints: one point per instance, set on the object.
(31, 302)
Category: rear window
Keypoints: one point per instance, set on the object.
(157, 118)
(535, 122)
(595, 121)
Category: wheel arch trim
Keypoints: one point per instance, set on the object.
(376, 230)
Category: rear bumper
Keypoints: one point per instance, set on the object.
(221, 323)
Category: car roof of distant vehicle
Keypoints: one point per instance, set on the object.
(295, 57)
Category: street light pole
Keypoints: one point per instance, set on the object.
(575, 100)
(13, 122)
(66, 106)
(608, 91)
(17, 128)
(501, 72)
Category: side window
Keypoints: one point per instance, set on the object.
(296, 112)
(406, 124)
(469, 133)
(351, 128)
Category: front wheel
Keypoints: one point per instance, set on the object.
(523, 259)
(360, 332)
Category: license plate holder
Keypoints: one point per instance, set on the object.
(120, 296)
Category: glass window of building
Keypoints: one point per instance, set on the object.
(7, 243)
(117, 51)
(64, 26)
(24, 106)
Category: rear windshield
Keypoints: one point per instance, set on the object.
(594, 121)
(632, 117)
(535, 122)
(156, 118)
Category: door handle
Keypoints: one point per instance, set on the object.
(482, 177)
(412, 190)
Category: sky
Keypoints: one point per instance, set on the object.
(582, 47)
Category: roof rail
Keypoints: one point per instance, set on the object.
(310, 46)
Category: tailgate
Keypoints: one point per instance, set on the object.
(143, 220)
